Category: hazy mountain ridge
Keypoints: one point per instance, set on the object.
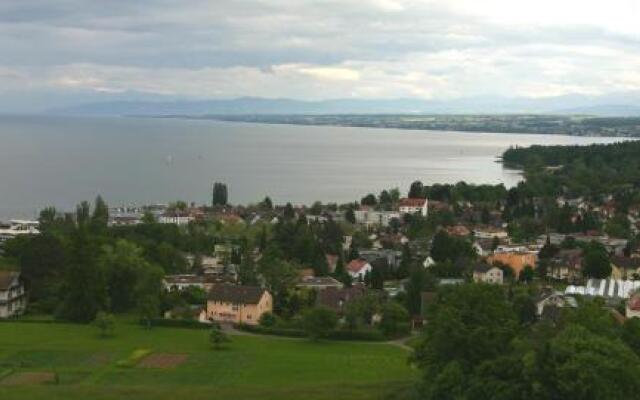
(625, 104)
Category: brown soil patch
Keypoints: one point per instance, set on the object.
(28, 378)
(162, 360)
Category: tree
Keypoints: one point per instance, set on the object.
(416, 190)
(268, 320)
(220, 194)
(587, 366)
(100, 217)
(527, 274)
(369, 200)
(394, 320)
(217, 338)
(350, 215)
(123, 264)
(266, 204)
(85, 286)
(288, 213)
(148, 291)
(105, 324)
(319, 322)
(596, 262)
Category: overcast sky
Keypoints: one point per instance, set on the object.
(68, 50)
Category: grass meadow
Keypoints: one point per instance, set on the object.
(66, 361)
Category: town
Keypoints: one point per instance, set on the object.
(384, 268)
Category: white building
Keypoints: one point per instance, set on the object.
(13, 300)
(414, 206)
(175, 218)
(370, 218)
(487, 274)
(18, 227)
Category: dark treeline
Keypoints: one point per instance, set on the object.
(485, 342)
(578, 170)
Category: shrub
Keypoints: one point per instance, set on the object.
(177, 323)
(319, 322)
(105, 324)
(268, 320)
(394, 319)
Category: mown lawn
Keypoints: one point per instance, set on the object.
(249, 368)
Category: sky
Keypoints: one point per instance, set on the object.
(55, 52)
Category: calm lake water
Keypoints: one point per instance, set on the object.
(60, 161)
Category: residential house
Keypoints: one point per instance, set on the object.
(633, 306)
(484, 273)
(414, 206)
(182, 282)
(13, 300)
(337, 299)
(549, 303)
(566, 265)
(320, 283)
(490, 232)
(483, 247)
(625, 267)
(238, 304)
(372, 218)
(392, 258)
(176, 217)
(458, 230)
(517, 261)
(358, 268)
(428, 262)
(18, 227)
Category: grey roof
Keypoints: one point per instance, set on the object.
(236, 294)
(7, 278)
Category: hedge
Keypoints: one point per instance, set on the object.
(360, 335)
(177, 323)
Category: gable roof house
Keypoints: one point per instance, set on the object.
(238, 304)
(484, 273)
(358, 268)
(414, 206)
(624, 267)
(13, 299)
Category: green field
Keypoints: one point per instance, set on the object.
(89, 367)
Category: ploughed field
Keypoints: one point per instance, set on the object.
(65, 361)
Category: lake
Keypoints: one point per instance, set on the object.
(60, 161)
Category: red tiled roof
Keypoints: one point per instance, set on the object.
(634, 303)
(411, 202)
(356, 265)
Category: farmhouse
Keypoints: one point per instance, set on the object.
(12, 296)
(238, 304)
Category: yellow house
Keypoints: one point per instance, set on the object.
(238, 304)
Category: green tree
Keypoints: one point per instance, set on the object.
(350, 216)
(100, 217)
(395, 319)
(220, 194)
(85, 286)
(105, 324)
(319, 322)
(217, 338)
(596, 262)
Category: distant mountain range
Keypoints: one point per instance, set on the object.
(625, 104)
